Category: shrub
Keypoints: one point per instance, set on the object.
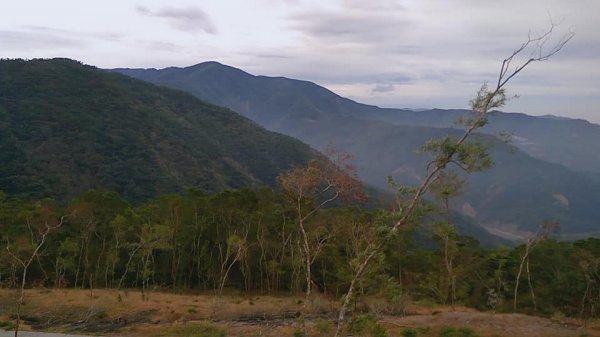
(299, 333)
(7, 325)
(408, 332)
(323, 326)
(365, 325)
(378, 331)
(461, 332)
(359, 325)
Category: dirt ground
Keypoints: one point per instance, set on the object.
(490, 324)
(124, 313)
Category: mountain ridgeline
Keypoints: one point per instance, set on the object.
(549, 171)
(66, 128)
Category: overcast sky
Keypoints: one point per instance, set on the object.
(391, 53)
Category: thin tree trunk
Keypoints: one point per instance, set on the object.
(530, 285)
(350, 293)
(587, 289)
(516, 294)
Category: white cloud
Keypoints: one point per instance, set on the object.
(187, 19)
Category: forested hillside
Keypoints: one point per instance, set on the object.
(66, 128)
(385, 143)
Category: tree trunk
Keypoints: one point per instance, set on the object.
(350, 293)
(523, 258)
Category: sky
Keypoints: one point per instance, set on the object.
(390, 53)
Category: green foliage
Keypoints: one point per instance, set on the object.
(472, 156)
(409, 332)
(454, 332)
(7, 325)
(360, 324)
(324, 327)
(365, 325)
(487, 100)
(378, 331)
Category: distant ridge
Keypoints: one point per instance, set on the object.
(548, 162)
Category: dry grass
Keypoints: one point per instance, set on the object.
(165, 314)
(111, 311)
(488, 324)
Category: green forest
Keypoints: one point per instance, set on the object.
(248, 240)
(66, 128)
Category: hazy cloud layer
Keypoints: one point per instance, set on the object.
(383, 88)
(37, 38)
(187, 19)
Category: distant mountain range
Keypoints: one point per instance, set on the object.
(569, 142)
(549, 171)
(66, 128)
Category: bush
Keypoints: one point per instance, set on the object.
(299, 333)
(453, 332)
(365, 325)
(323, 326)
(378, 331)
(7, 325)
(359, 325)
(408, 332)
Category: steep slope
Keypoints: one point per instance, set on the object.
(512, 199)
(66, 128)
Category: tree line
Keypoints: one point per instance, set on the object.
(250, 241)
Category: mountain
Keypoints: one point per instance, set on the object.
(565, 141)
(512, 199)
(66, 128)
(569, 142)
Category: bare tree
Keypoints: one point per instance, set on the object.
(470, 156)
(540, 236)
(444, 187)
(37, 242)
(311, 188)
(234, 250)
